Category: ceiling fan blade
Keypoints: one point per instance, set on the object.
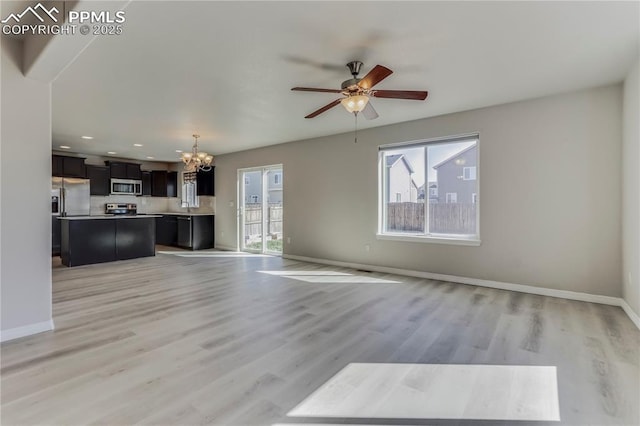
(369, 112)
(324, 108)
(400, 94)
(375, 76)
(311, 89)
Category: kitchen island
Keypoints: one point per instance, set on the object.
(97, 239)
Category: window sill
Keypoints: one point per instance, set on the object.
(429, 239)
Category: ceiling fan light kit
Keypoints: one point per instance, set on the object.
(358, 91)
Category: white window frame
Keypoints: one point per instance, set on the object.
(451, 197)
(398, 197)
(452, 239)
(472, 173)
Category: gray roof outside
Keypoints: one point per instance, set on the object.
(455, 155)
(392, 159)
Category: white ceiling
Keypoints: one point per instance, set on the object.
(225, 69)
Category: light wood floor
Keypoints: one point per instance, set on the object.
(186, 340)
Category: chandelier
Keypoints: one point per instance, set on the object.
(195, 160)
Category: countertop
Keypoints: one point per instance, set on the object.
(184, 214)
(123, 216)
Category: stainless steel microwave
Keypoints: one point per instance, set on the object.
(126, 187)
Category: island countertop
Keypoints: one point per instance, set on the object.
(110, 216)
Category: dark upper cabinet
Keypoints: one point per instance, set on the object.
(172, 184)
(159, 183)
(164, 184)
(206, 182)
(124, 170)
(133, 171)
(146, 183)
(56, 165)
(99, 179)
(118, 170)
(67, 166)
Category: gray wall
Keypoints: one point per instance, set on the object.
(562, 232)
(631, 189)
(25, 269)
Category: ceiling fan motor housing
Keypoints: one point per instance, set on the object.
(352, 83)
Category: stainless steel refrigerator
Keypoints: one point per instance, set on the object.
(69, 197)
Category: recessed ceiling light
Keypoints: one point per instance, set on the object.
(150, 158)
(137, 144)
(112, 152)
(65, 147)
(87, 137)
(178, 150)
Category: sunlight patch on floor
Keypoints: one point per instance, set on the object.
(436, 391)
(329, 277)
(212, 254)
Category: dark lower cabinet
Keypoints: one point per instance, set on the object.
(88, 241)
(195, 232)
(167, 230)
(55, 236)
(135, 238)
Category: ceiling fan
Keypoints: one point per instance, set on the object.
(357, 91)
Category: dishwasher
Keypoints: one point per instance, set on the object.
(185, 238)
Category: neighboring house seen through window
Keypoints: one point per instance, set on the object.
(446, 170)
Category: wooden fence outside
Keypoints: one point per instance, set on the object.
(253, 220)
(444, 218)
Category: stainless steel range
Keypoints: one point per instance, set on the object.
(121, 208)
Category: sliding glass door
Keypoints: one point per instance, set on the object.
(261, 209)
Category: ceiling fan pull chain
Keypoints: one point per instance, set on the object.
(356, 138)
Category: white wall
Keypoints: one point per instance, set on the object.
(631, 190)
(549, 182)
(25, 222)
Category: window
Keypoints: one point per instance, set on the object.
(469, 173)
(247, 181)
(189, 192)
(449, 213)
(277, 177)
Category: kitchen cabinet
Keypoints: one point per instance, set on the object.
(195, 232)
(96, 240)
(99, 179)
(206, 182)
(167, 230)
(172, 184)
(159, 183)
(67, 166)
(146, 183)
(121, 170)
(164, 183)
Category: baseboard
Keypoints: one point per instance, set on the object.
(630, 313)
(562, 294)
(226, 248)
(26, 330)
